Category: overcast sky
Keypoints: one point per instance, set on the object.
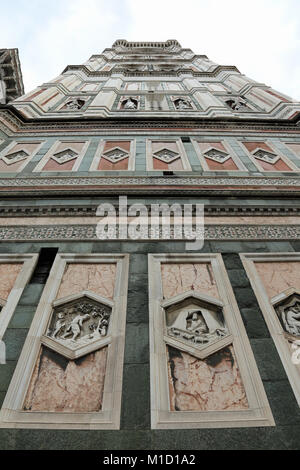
(260, 37)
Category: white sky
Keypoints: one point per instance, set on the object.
(260, 37)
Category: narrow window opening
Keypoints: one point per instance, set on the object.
(44, 264)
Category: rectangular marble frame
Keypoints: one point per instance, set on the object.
(235, 158)
(25, 162)
(12, 415)
(259, 412)
(184, 158)
(39, 167)
(256, 162)
(29, 262)
(270, 316)
(99, 151)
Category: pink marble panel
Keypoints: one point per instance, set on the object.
(98, 278)
(30, 147)
(212, 384)
(179, 278)
(61, 385)
(278, 276)
(8, 276)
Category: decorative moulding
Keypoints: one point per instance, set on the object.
(90, 319)
(115, 150)
(7, 307)
(219, 156)
(210, 325)
(275, 312)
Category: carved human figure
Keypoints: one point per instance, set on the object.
(60, 324)
(195, 323)
(182, 104)
(237, 103)
(75, 104)
(130, 104)
(293, 319)
(75, 326)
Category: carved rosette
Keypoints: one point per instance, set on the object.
(194, 323)
(79, 325)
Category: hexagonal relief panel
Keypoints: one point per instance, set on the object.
(166, 155)
(15, 157)
(79, 324)
(287, 308)
(216, 155)
(266, 156)
(195, 322)
(115, 155)
(64, 155)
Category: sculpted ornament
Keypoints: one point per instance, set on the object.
(129, 104)
(75, 104)
(288, 312)
(193, 326)
(237, 104)
(182, 104)
(195, 322)
(79, 325)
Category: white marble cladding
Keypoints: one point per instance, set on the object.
(113, 69)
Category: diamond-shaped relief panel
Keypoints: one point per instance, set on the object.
(64, 155)
(78, 326)
(15, 157)
(166, 155)
(115, 155)
(216, 155)
(196, 322)
(266, 156)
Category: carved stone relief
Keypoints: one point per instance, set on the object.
(129, 104)
(166, 155)
(195, 322)
(78, 323)
(15, 157)
(75, 104)
(64, 155)
(216, 155)
(115, 154)
(237, 104)
(288, 311)
(182, 104)
(266, 156)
